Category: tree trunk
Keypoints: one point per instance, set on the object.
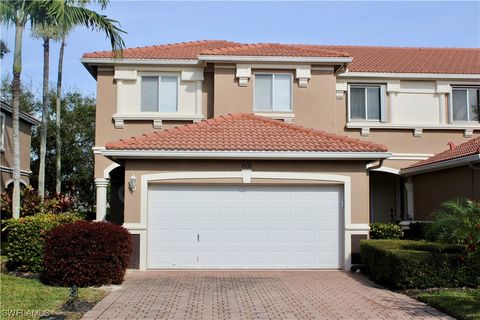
(44, 126)
(17, 70)
(58, 102)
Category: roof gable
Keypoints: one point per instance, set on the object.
(244, 132)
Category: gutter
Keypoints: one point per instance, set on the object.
(221, 58)
(441, 165)
(265, 155)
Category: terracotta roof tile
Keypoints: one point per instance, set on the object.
(244, 132)
(183, 50)
(365, 58)
(465, 149)
(274, 49)
(411, 60)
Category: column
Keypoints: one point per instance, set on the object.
(101, 187)
(410, 197)
(442, 111)
(198, 98)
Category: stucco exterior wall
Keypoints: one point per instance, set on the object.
(354, 169)
(6, 156)
(433, 188)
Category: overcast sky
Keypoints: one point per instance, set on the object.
(427, 24)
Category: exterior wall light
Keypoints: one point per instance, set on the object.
(132, 183)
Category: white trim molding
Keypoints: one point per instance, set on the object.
(246, 176)
(410, 156)
(10, 170)
(441, 165)
(110, 61)
(167, 154)
(365, 127)
(285, 116)
(11, 181)
(156, 117)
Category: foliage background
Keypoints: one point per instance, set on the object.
(78, 135)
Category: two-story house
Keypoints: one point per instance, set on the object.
(26, 122)
(229, 155)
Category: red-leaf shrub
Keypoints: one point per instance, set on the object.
(86, 254)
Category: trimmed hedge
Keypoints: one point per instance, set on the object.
(404, 264)
(26, 239)
(385, 231)
(86, 254)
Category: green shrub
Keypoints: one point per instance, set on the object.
(385, 231)
(416, 231)
(26, 239)
(403, 264)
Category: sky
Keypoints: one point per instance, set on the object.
(383, 23)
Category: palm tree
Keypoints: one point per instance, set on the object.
(38, 12)
(458, 222)
(64, 31)
(17, 13)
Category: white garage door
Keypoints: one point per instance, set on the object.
(244, 227)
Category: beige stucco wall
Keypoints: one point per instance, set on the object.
(355, 170)
(434, 188)
(6, 156)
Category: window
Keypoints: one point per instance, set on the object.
(159, 94)
(367, 102)
(2, 131)
(465, 104)
(273, 92)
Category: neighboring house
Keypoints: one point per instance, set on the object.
(6, 146)
(302, 148)
(454, 173)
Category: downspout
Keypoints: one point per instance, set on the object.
(377, 166)
(342, 68)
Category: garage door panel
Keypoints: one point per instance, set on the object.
(243, 227)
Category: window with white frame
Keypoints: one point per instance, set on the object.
(2, 131)
(273, 92)
(465, 104)
(366, 102)
(159, 93)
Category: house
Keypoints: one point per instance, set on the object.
(229, 155)
(6, 146)
(454, 173)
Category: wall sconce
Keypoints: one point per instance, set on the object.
(132, 183)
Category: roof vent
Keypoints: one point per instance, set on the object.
(451, 145)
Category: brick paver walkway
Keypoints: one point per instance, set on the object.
(249, 295)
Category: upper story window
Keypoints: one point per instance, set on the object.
(366, 102)
(465, 104)
(273, 92)
(2, 131)
(159, 94)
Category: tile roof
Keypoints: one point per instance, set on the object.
(411, 60)
(244, 132)
(274, 49)
(365, 58)
(465, 149)
(183, 50)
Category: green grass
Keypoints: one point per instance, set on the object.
(30, 294)
(463, 304)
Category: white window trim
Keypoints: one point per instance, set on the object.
(2, 127)
(383, 106)
(450, 107)
(159, 76)
(273, 111)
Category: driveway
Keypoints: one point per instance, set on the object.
(249, 295)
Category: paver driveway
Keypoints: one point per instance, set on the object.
(256, 295)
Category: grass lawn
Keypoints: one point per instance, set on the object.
(459, 303)
(26, 295)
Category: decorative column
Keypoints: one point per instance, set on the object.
(198, 98)
(409, 187)
(101, 185)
